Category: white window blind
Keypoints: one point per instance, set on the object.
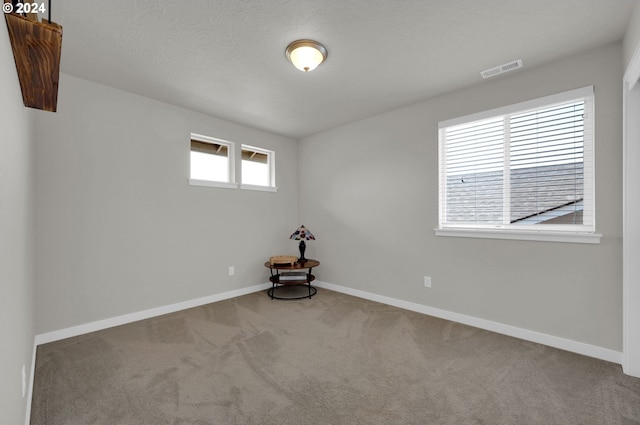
(525, 166)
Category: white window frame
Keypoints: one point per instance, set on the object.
(271, 158)
(231, 183)
(548, 232)
(234, 168)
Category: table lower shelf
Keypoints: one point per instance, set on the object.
(292, 292)
(292, 281)
(292, 289)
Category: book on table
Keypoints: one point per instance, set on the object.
(293, 275)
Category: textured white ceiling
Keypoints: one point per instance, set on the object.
(226, 58)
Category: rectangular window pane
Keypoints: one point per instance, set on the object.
(546, 164)
(209, 167)
(474, 163)
(209, 161)
(256, 166)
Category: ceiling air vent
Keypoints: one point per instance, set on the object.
(492, 72)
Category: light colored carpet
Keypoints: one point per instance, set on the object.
(335, 359)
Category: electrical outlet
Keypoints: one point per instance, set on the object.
(232, 270)
(427, 281)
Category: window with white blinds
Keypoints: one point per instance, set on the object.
(527, 166)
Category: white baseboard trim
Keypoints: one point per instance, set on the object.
(525, 334)
(141, 315)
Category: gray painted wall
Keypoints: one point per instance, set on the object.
(369, 192)
(118, 227)
(631, 231)
(632, 36)
(16, 262)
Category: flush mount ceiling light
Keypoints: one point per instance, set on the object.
(306, 55)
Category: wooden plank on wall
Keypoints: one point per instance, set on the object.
(37, 47)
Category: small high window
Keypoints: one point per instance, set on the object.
(257, 167)
(211, 161)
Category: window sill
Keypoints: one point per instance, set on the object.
(524, 235)
(259, 188)
(211, 183)
(225, 185)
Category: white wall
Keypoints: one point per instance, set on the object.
(370, 194)
(16, 283)
(631, 230)
(631, 240)
(118, 228)
(632, 36)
